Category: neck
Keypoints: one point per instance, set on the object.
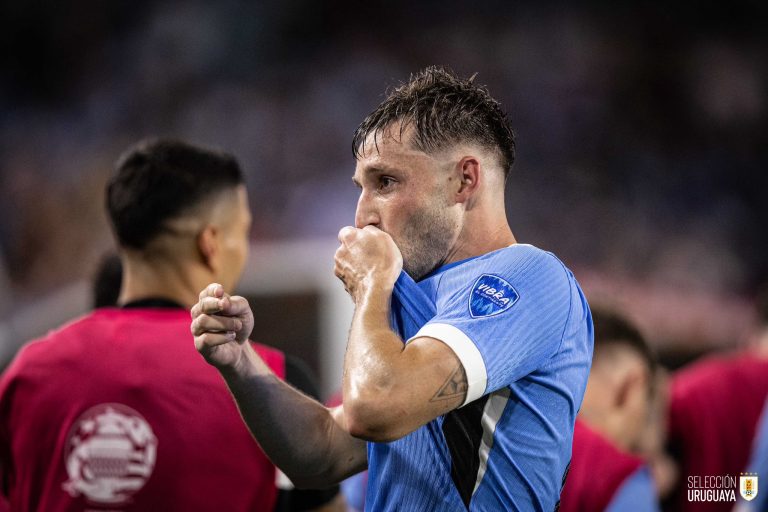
(607, 425)
(481, 233)
(174, 281)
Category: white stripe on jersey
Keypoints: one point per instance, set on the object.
(492, 412)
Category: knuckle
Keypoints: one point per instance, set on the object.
(347, 233)
(209, 305)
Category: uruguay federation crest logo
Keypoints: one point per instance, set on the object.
(748, 486)
(490, 296)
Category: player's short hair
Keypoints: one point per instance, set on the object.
(614, 331)
(159, 180)
(107, 281)
(443, 110)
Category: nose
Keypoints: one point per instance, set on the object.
(366, 213)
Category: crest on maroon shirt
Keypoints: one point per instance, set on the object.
(110, 454)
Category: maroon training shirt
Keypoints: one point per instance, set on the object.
(117, 411)
(598, 469)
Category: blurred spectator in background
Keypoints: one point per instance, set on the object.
(604, 473)
(115, 409)
(714, 411)
(107, 280)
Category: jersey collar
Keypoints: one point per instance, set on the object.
(152, 302)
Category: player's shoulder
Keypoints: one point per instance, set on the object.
(521, 275)
(519, 265)
(75, 328)
(519, 259)
(708, 372)
(49, 347)
(588, 444)
(592, 449)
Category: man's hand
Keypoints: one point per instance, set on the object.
(221, 325)
(368, 258)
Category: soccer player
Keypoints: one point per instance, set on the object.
(115, 410)
(604, 474)
(465, 383)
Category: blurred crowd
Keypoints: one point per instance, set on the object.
(640, 139)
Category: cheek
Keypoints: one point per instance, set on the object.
(236, 248)
(241, 252)
(396, 212)
(640, 411)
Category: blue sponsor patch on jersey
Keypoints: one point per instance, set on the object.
(490, 296)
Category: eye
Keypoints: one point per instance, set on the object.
(386, 182)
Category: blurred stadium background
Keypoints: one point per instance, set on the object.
(642, 149)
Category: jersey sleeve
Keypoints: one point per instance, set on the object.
(503, 316)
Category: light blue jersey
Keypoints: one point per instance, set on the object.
(519, 323)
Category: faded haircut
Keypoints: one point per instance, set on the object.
(443, 110)
(158, 180)
(613, 330)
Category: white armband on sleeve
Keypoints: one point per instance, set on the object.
(466, 351)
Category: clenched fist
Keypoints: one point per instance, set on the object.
(221, 325)
(367, 259)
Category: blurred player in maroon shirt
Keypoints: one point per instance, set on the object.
(714, 410)
(604, 473)
(116, 410)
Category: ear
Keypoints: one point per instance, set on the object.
(632, 386)
(468, 173)
(208, 247)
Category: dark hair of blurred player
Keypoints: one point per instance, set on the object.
(180, 215)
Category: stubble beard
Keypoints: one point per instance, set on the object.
(426, 241)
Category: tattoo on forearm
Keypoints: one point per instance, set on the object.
(455, 387)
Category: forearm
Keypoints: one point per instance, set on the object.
(390, 388)
(297, 433)
(373, 367)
